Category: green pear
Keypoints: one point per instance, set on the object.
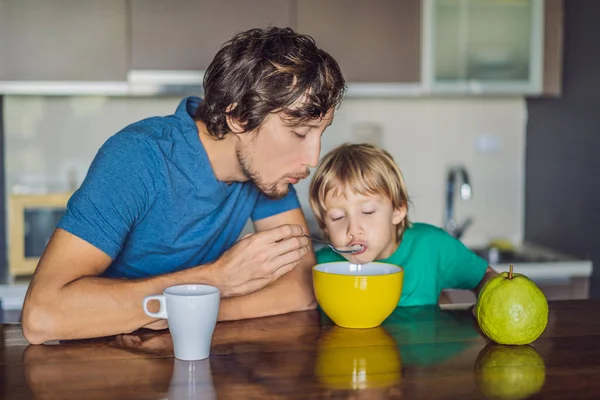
(511, 309)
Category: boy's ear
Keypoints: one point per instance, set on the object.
(398, 215)
(234, 125)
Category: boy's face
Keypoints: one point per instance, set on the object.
(370, 220)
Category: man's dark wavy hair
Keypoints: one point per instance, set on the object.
(262, 71)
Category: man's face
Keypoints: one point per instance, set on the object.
(369, 220)
(276, 154)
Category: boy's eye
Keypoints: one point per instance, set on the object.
(336, 218)
(368, 212)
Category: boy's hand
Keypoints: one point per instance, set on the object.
(489, 274)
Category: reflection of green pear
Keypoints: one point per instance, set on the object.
(509, 372)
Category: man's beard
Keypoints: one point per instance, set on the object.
(268, 189)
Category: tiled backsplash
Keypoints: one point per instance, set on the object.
(50, 142)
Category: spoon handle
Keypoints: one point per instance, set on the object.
(314, 239)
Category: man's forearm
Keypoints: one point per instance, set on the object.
(94, 306)
(292, 292)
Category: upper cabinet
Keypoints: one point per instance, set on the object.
(63, 40)
(384, 47)
(186, 34)
(375, 41)
(483, 46)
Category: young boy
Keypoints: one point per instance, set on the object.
(358, 196)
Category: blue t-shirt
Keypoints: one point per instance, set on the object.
(151, 201)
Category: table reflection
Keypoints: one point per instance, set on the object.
(359, 363)
(189, 379)
(411, 354)
(192, 380)
(509, 372)
(68, 371)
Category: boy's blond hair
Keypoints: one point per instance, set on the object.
(366, 170)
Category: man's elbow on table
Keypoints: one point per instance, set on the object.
(38, 321)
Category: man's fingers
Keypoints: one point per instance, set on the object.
(280, 233)
(290, 244)
(291, 257)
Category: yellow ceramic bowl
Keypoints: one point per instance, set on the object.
(358, 296)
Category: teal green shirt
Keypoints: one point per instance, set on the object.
(432, 259)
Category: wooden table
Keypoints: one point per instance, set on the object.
(419, 353)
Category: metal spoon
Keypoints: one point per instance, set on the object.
(341, 250)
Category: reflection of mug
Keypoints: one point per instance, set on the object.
(509, 372)
(358, 359)
(192, 380)
(192, 312)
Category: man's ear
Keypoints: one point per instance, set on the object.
(234, 124)
(398, 215)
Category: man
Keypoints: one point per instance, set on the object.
(165, 199)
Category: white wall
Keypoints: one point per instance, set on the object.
(51, 140)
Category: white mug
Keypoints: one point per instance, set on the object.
(191, 311)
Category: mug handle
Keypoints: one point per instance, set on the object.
(162, 311)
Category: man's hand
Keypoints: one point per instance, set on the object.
(259, 259)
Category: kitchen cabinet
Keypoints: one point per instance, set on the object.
(483, 46)
(63, 40)
(553, 47)
(186, 34)
(376, 41)
(384, 47)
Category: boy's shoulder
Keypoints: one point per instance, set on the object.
(423, 235)
(424, 229)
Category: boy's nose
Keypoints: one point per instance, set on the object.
(354, 229)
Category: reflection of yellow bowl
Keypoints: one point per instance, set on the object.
(358, 296)
(357, 359)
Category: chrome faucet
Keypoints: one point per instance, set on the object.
(450, 223)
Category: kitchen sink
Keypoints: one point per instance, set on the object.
(494, 255)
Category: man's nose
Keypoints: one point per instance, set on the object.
(312, 153)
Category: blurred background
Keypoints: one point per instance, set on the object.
(488, 107)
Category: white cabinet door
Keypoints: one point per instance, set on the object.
(483, 46)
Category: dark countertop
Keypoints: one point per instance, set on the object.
(419, 353)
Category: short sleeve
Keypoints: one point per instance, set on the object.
(114, 195)
(460, 268)
(266, 207)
